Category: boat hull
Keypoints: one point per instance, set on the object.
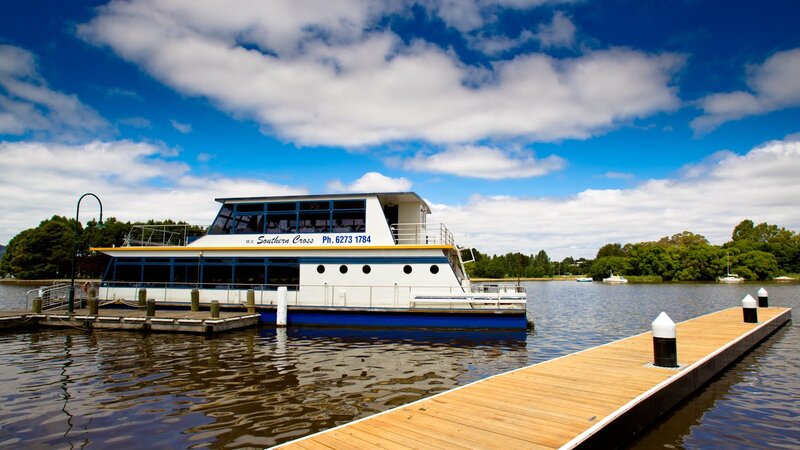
(332, 317)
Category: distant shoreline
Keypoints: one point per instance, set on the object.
(510, 279)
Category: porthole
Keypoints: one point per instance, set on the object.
(434, 269)
(343, 268)
(366, 269)
(320, 269)
(407, 269)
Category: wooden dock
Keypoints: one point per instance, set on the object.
(132, 319)
(598, 398)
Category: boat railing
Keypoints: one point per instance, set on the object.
(501, 287)
(422, 233)
(500, 296)
(54, 297)
(147, 235)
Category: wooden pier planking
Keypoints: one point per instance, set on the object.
(179, 321)
(585, 398)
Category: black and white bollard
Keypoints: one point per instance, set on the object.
(763, 300)
(665, 347)
(749, 309)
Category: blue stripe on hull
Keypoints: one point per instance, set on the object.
(399, 319)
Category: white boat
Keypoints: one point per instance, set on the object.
(584, 280)
(346, 259)
(783, 278)
(730, 277)
(615, 279)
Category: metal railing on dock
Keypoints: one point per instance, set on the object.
(55, 297)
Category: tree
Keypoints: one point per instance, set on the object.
(41, 252)
(602, 267)
(610, 250)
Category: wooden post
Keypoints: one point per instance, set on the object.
(151, 307)
(251, 301)
(195, 300)
(214, 309)
(37, 305)
(142, 298)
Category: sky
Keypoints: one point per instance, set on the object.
(559, 125)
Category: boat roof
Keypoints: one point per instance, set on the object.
(384, 197)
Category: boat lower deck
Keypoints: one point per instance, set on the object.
(597, 398)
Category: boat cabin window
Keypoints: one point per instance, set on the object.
(222, 224)
(204, 273)
(327, 216)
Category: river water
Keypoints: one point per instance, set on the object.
(260, 387)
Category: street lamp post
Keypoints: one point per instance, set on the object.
(71, 295)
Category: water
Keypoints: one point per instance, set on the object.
(259, 387)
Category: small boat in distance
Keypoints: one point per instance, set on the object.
(730, 277)
(584, 280)
(615, 279)
(783, 278)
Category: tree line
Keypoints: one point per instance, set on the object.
(45, 252)
(755, 252)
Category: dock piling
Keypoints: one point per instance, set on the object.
(142, 298)
(37, 305)
(251, 301)
(151, 307)
(665, 347)
(280, 313)
(763, 301)
(215, 309)
(749, 310)
(92, 302)
(195, 300)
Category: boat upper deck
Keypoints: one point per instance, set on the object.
(311, 222)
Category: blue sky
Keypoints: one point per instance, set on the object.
(527, 124)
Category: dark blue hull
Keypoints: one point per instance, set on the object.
(401, 319)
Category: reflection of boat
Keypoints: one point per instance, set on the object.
(730, 277)
(615, 279)
(346, 259)
(783, 278)
(584, 280)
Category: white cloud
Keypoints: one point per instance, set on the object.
(495, 45)
(772, 85)
(371, 182)
(204, 157)
(619, 175)
(135, 181)
(183, 128)
(485, 162)
(28, 105)
(321, 75)
(559, 33)
(761, 185)
(135, 122)
(468, 15)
